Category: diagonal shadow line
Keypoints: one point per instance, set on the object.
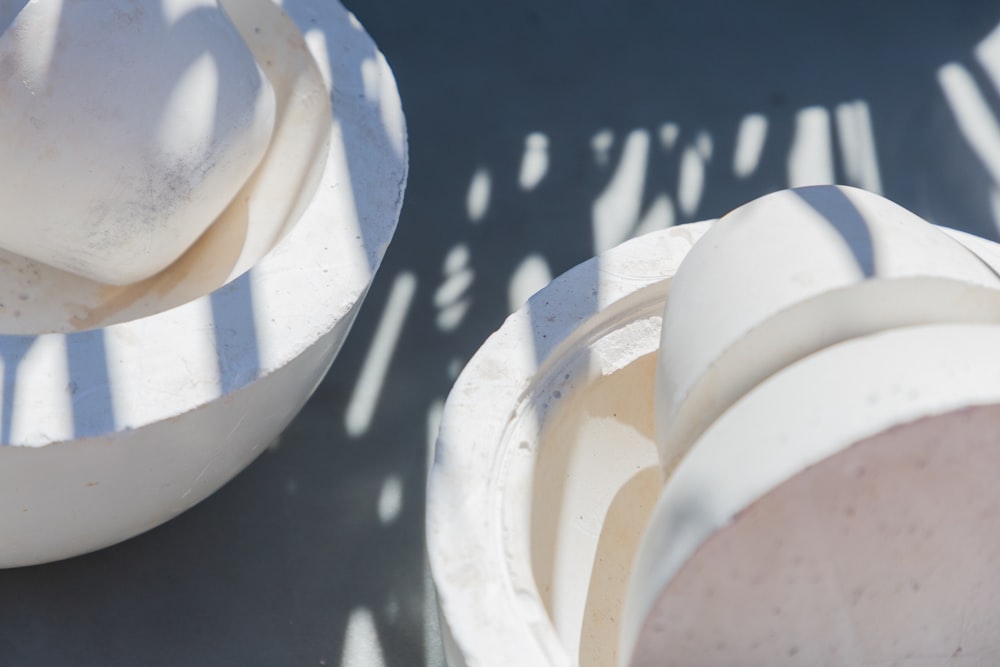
(13, 353)
(9, 9)
(90, 384)
(236, 345)
(846, 219)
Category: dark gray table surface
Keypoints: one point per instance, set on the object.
(314, 555)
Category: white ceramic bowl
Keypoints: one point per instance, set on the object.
(546, 470)
(121, 407)
(547, 432)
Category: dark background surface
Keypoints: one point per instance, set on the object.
(314, 555)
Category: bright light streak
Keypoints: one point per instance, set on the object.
(448, 298)
(810, 160)
(477, 201)
(450, 317)
(456, 259)
(973, 114)
(43, 43)
(616, 210)
(434, 413)
(39, 377)
(750, 139)
(172, 12)
(535, 162)
(660, 215)
(601, 143)
(361, 407)
(130, 397)
(988, 55)
(704, 145)
(370, 75)
(669, 132)
(316, 41)
(857, 145)
(532, 274)
(390, 500)
(995, 206)
(361, 644)
(691, 183)
(189, 113)
(452, 289)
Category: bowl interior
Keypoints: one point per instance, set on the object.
(597, 480)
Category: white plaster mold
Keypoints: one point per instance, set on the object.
(128, 125)
(123, 406)
(793, 272)
(560, 532)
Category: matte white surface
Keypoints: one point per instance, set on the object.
(522, 508)
(492, 528)
(35, 297)
(791, 273)
(129, 126)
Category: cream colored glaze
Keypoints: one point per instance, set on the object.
(596, 482)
